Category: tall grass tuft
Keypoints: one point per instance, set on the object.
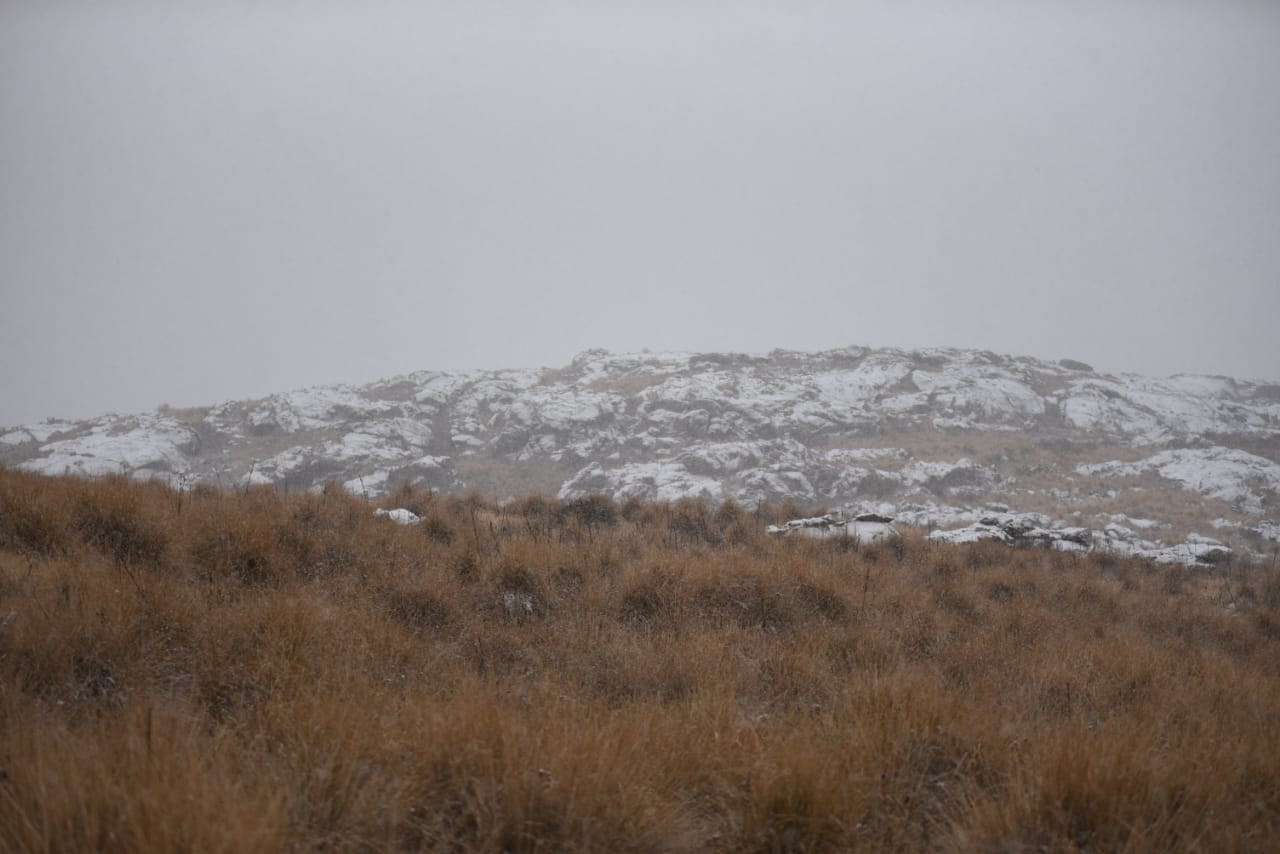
(254, 671)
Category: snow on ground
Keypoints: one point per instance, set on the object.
(970, 534)
(825, 527)
(727, 457)
(437, 471)
(925, 514)
(1232, 475)
(374, 483)
(563, 409)
(385, 441)
(1268, 531)
(855, 389)
(1142, 524)
(257, 477)
(601, 364)
(1038, 529)
(865, 455)
(46, 430)
(143, 445)
(940, 478)
(658, 481)
(1183, 554)
(1015, 527)
(1195, 551)
(963, 474)
(309, 409)
(985, 393)
(41, 432)
(1151, 410)
(759, 484)
(1097, 406)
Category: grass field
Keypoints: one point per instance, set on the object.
(250, 671)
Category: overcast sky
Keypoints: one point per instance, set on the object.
(203, 201)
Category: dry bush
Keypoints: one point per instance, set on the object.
(252, 671)
(409, 497)
(35, 513)
(114, 517)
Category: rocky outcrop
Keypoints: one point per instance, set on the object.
(1038, 530)
(868, 529)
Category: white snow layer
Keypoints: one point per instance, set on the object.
(399, 515)
(1235, 476)
(143, 446)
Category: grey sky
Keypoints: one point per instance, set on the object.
(206, 201)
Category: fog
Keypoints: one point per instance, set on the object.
(210, 201)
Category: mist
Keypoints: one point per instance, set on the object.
(222, 200)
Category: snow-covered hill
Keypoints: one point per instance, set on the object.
(938, 433)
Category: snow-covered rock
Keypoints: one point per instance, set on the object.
(970, 534)
(867, 529)
(1020, 529)
(1034, 529)
(399, 515)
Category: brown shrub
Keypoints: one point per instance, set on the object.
(35, 514)
(113, 519)
(303, 677)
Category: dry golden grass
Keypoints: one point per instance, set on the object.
(253, 671)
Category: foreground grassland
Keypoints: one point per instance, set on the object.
(257, 672)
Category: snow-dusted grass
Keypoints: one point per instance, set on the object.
(253, 671)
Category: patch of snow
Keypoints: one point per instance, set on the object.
(311, 409)
(1037, 529)
(142, 446)
(927, 514)
(864, 532)
(16, 437)
(49, 428)
(864, 455)
(871, 532)
(991, 394)
(1228, 474)
(824, 527)
(656, 481)
(374, 483)
(257, 477)
(971, 534)
(1154, 409)
(399, 515)
(1141, 524)
(957, 477)
(1187, 554)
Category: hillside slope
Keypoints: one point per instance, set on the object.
(936, 436)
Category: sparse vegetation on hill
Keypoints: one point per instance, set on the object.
(252, 671)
